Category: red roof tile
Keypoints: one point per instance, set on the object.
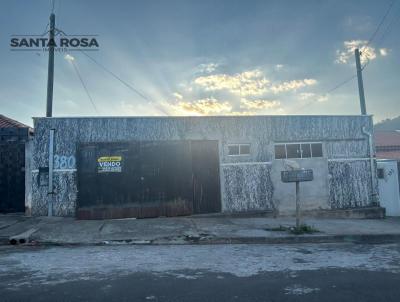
(387, 138)
(6, 122)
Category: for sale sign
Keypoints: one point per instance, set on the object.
(109, 164)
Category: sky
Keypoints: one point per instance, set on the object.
(205, 58)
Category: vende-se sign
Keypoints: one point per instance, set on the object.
(109, 164)
(297, 175)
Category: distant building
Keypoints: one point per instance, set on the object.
(110, 167)
(387, 144)
(13, 138)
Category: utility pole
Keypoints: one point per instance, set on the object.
(360, 82)
(50, 72)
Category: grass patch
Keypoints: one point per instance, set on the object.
(303, 229)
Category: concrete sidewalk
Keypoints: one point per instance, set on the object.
(192, 230)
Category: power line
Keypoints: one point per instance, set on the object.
(387, 30)
(337, 86)
(123, 82)
(380, 23)
(326, 93)
(52, 6)
(389, 26)
(84, 85)
(58, 10)
(117, 77)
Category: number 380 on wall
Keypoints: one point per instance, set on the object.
(64, 162)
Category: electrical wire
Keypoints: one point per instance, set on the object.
(84, 85)
(58, 10)
(337, 86)
(117, 77)
(123, 82)
(52, 6)
(380, 23)
(387, 30)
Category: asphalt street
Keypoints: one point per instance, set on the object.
(307, 272)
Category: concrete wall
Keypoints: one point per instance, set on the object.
(247, 182)
(313, 194)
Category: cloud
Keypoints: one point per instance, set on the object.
(292, 85)
(278, 67)
(207, 68)
(207, 106)
(322, 98)
(245, 93)
(68, 57)
(313, 96)
(259, 104)
(306, 95)
(177, 96)
(368, 53)
(248, 83)
(383, 52)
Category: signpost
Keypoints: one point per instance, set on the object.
(297, 176)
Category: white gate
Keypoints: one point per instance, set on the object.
(389, 188)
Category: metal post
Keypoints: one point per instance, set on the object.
(50, 73)
(360, 82)
(50, 190)
(298, 218)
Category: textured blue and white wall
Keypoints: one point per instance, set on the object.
(249, 181)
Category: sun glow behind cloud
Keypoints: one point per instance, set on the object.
(250, 82)
(247, 92)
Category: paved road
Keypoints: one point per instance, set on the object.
(325, 272)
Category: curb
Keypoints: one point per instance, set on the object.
(364, 238)
(300, 239)
(4, 240)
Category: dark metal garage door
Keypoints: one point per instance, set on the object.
(148, 179)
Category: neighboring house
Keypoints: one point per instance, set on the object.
(109, 167)
(13, 138)
(387, 144)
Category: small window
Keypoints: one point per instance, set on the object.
(233, 150)
(244, 149)
(381, 173)
(316, 150)
(298, 150)
(280, 151)
(239, 149)
(293, 151)
(305, 150)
